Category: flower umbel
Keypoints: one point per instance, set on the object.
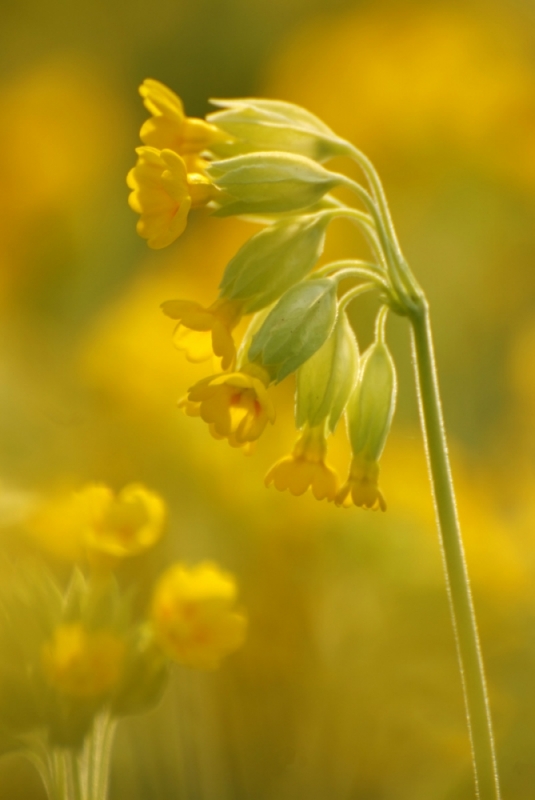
(236, 405)
(198, 324)
(306, 468)
(193, 615)
(163, 192)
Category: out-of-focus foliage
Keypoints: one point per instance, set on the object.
(347, 686)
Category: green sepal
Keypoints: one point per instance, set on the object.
(274, 260)
(296, 327)
(371, 406)
(326, 380)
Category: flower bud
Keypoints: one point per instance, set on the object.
(326, 380)
(296, 327)
(273, 260)
(263, 125)
(270, 183)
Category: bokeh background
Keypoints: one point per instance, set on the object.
(347, 687)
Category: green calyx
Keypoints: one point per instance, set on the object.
(267, 125)
(325, 381)
(296, 327)
(371, 406)
(269, 183)
(273, 260)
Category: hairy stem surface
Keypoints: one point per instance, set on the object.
(461, 605)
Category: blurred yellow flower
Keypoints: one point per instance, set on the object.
(124, 525)
(195, 322)
(95, 523)
(306, 468)
(82, 663)
(193, 616)
(361, 486)
(163, 192)
(236, 405)
(169, 127)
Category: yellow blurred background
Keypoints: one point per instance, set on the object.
(347, 687)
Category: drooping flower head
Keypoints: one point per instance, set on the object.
(194, 617)
(203, 331)
(169, 127)
(163, 192)
(306, 468)
(236, 405)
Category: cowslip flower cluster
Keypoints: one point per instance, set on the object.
(77, 653)
(264, 160)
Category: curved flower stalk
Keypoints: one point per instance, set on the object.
(76, 658)
(266, 160)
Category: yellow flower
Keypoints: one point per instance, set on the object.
(193, 616)
(94, 522)
(82, 663)
(306, 468)
(361, 486)
(169, 127)
(236, 405)
(124, 525)
(195, 322)
(163, 192)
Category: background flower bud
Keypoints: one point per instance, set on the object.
(296, 327)
(269, 182)
(273, 260)
(325, 381)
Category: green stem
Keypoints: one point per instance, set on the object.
(461, 605)
(76, 774)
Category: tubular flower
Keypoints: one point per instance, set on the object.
(361, 487)
(197, 323)
(169, 127)
(236, 405)
(193, 616)
(82, 663)
(306, 468)
(124, 525)
(163, 192)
